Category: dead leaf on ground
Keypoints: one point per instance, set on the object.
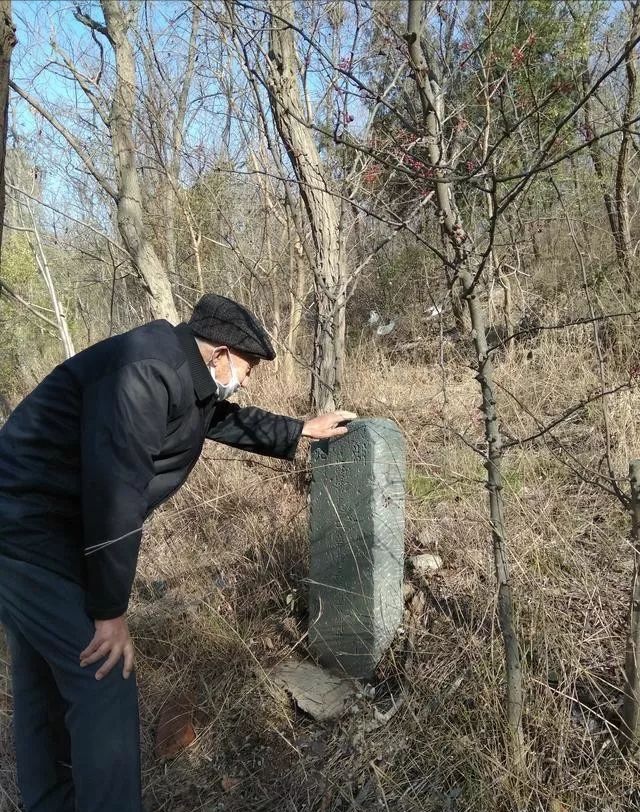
(175, 729)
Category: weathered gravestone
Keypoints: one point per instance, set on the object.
(357, 545)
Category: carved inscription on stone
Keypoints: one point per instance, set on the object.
(357, 545)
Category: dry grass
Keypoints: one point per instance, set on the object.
(231, 551)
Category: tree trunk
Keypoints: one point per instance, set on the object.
(622, 191)
(169, 228)
(432, 103)
(7, 41)
(616, 205)
(177, 140)
(195, 235)
(320, 204)
(631, 705)
(45, 273)
(297, 287)
(595, 152)
(129, 198)
(495, 267)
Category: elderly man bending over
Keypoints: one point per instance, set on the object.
(84, 459)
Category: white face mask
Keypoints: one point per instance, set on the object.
(225, 390)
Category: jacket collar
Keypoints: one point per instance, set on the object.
(203, 384)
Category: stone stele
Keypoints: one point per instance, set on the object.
(357, 545)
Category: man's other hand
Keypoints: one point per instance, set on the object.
(327, 425)
(112, 641)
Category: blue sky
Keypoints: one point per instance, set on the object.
(37, 21)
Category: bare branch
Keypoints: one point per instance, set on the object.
(10, 292)
(89, 22)
(83, 81)
(73, 142)
(68, 216)
(569, 413)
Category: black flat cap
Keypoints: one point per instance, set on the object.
(223, 321)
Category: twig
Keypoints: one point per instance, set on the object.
(567, 414)
(4, 288)
(82, 223)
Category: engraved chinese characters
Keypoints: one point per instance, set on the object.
(357, 545)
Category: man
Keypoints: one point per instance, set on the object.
(105, 438)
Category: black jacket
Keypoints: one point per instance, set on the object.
(105, 438)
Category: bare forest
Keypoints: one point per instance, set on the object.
(433, 206)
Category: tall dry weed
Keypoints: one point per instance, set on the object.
(220, 598)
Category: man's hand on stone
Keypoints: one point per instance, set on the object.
(112, 641)
(327, 425)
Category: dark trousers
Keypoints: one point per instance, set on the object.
(77, 739)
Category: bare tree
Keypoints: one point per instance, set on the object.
(118, 117)
(622, 165)
(631, 705)
(7, 41)
(320, 203)
(297, 290)
(615, 191)
(432, 103)
(166, 103)
(29, 224)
